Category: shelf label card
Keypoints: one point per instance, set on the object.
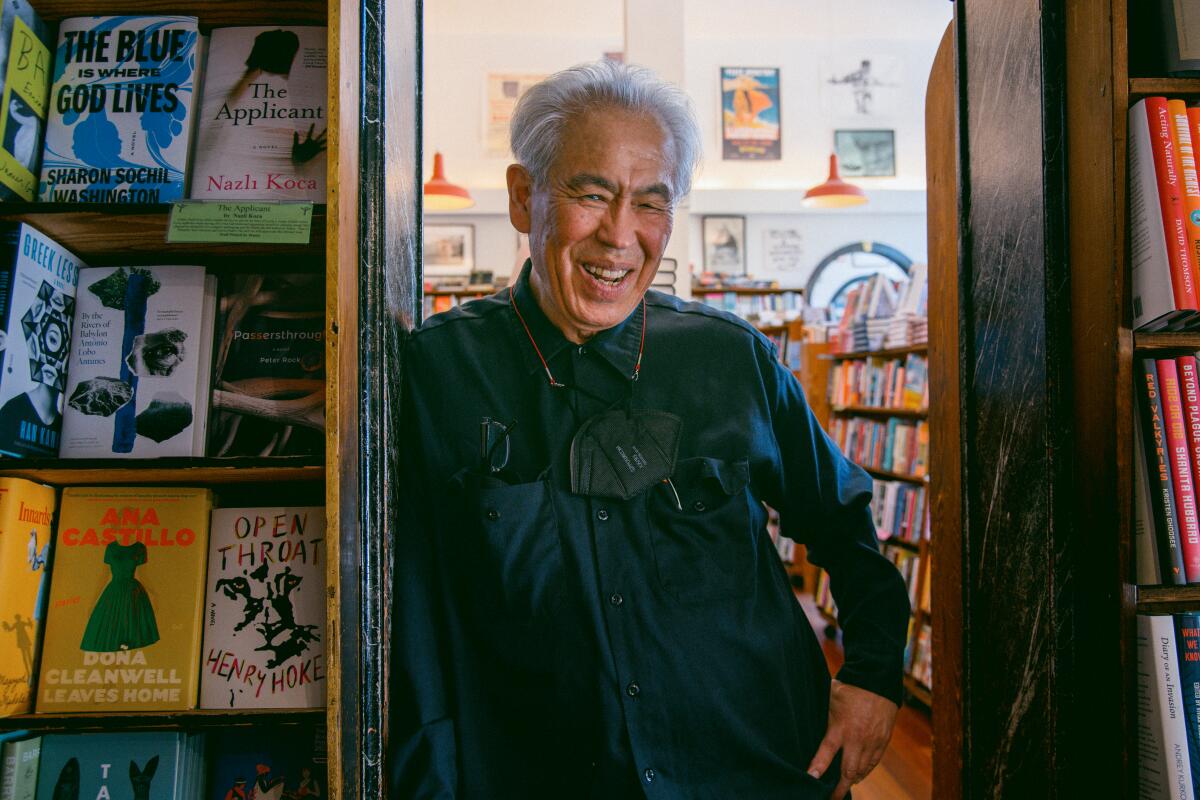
(253, 221)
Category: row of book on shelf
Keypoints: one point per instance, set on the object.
(1168, 705)
(881, 382)
(1164, 214)
(882, 313)
(149, 599)
(146, 109)
(283, 761)
(128, 361)
(900, 511)
(763, 308)
(893, 445)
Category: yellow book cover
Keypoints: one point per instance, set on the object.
(123, 628)
(26, 511)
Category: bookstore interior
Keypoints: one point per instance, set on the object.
(968, 231)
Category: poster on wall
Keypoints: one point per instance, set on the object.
(866, 154)
(783, 249)
(503, 91)
(449, 249)
(862, 85)
(724, 244)
(750, 122)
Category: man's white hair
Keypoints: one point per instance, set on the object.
(543, 112)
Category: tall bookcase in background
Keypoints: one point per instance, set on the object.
(867, 432)
(105, 235)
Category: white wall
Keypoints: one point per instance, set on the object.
(466, 39)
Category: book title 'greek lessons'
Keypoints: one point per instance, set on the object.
(120, 110)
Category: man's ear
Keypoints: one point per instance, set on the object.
(520, 197)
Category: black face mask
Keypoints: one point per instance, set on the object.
(622, 453)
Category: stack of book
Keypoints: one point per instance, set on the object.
(1168, 704)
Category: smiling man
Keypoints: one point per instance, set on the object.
(587, 601)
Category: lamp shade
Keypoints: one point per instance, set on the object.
(441, 194)
(834, 192)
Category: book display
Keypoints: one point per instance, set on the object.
(189, 380)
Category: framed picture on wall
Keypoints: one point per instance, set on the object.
(750, 122)
(866, 154)
(724, 244)
(449, 249)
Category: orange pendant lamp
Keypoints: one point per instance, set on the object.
(834, 192)
(441, 194)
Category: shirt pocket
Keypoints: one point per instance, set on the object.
(508, 554)
(705, 551)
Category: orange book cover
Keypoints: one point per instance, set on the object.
(26, 512)
(124, 624)
(1185, 147)
(1168, 170)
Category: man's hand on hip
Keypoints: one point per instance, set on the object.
(860, 725)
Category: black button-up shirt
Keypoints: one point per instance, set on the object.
(554, 645)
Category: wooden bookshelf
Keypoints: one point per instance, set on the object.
(1147, 87)
(173, 720)
(918, 690)
(902, 544)
(895, 476)
(698, 289)
(190, 471)
(882, 411)
(1168, 340)
(888, 352)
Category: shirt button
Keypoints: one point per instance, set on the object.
(648, 774)
(583, 350)
(602, 515)
(493, 514)
(616, 599)
(633, 690)
(699, 506)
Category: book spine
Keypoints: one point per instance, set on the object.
(1170, 197)
(1181, 467)
(27, 752)
(1187, 645)
(1148, 570)
(1163, 764)
(1158, 469)
(1185, 146)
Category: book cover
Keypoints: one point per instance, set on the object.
(26, 513)
(1187, 646)
(37, 306)
(25, 63)
(1159, 472)
(20, 758)
(133, 387)
(1169, 172)
(269, 390)
(1181, 137)
(1164, 769)
(123, 627)
(1158, 240)
(121, 115)
(1179, 457)
(1147, 566)
(281, 762)
(137, 765)
(263, 118)
(264, 620)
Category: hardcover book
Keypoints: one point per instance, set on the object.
(121, 111)
(264, 620)
(269, 395)
(284, 762)
(37, 309)
(138, 378)
(1159, 473)
(263, 119)
(19, 757)
(26, 513)
(1187, 645)
(142, 766)
(25, 63)
(123, 627)
(1164, 769)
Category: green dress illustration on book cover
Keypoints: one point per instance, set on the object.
(123, 618)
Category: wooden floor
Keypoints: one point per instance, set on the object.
(906, 770)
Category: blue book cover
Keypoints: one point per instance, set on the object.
(121, 110)
(1187, 647)
(143, 766)
(284, 762)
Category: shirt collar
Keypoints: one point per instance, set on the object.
(618, 345)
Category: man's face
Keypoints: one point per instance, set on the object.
(598, 228)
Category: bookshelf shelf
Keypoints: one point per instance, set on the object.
(104, 235)
(882, 411)
(696, 289)
(902, 544)
(172, 720)
(890, 352)
(1181, 340)
(135, 472)
(211, 13)
(1145, 87)
(895, 476)
(918, 690)
(1168, 598)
